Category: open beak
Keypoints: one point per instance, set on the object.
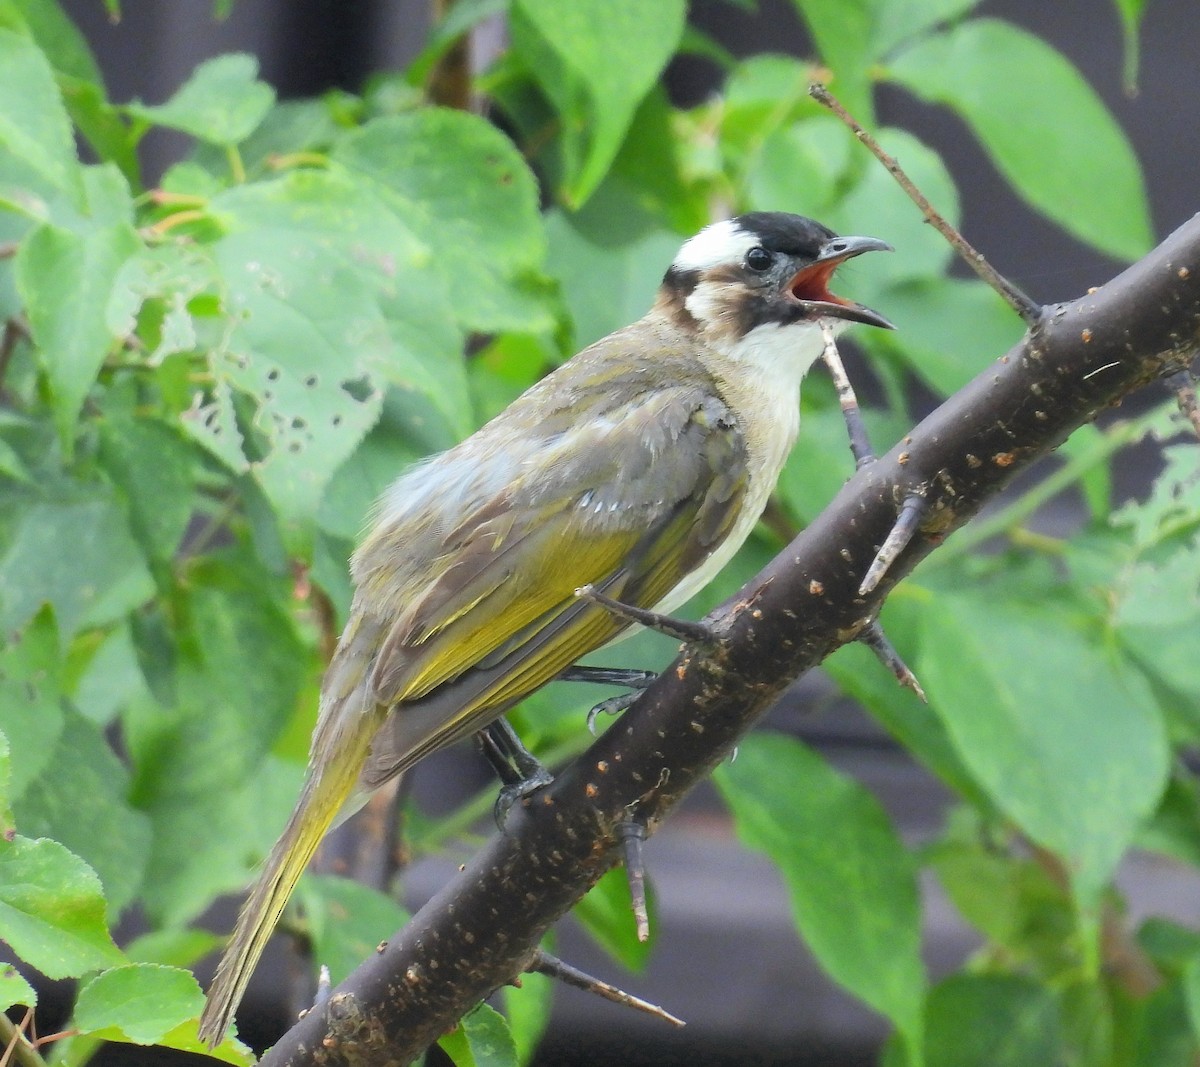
(811, 285)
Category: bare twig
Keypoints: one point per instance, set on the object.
(912, 511)
(1184, 386)
(860, 445)
(544, 963)
(1029, 310)
(877, 641)
(680, 629)
(631, 834)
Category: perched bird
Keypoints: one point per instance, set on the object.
(638, 467)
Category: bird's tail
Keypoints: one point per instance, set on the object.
(325, 791)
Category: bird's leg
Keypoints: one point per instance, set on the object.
(514, 765)
(872, 635)
(634, 680)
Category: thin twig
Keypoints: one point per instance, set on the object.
(631, 834)
(680, 629)
(877, 641)
(544, 963)
(912, 511)
(1029, 310)
(1184, 386)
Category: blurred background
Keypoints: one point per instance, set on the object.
(721, 909)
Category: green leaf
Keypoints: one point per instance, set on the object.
(875, 205)
(852, 885)
(1012, 901)
(570, 50)
(215, 798)
(859, 675)
(763, 97)
(899, 21)
(799, 167)
(7, 824)
(52, 909)
(606, 913)
(14, 989)
(59, 38)
(221, 103)
(1067, 741)
(83, 805)
(140, 1003)
(66, 279)
(1161, 1035)
(346, 921)
(606, 283)
(457, 19)
(947, 330)
(332, 300)
(527, 1008)
(979, 1020)
(75, 553)
(1067, 156)
(33, 121)
(173, 947)
(153, 466)
(842, 31)
(210, 843)
(481, 1039)
(31, 714)
(464, 190)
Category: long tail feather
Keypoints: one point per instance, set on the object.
(325, 791)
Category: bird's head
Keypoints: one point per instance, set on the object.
(765, 268)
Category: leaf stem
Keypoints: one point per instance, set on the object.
(17, 1049)
(236, 167)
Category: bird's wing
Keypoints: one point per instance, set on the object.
(640, 498)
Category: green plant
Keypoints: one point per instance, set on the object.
(207, 382)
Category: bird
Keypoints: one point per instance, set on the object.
(637, 468)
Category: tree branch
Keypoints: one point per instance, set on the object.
(483, 928)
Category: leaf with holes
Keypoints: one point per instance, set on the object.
(331, 301)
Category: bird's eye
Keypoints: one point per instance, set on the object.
(759, 259)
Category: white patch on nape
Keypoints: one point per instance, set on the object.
(722, 242)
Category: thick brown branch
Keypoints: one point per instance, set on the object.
(485, 925)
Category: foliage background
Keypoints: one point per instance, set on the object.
(208, 381)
